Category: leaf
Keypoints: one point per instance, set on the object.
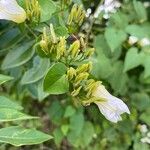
(7, 114)
(40, 67)
(7, 103)
(87, 134)
(115, 38)
(18, 56)
(19, 136)
(4, 78)
(58, 136)
(48, 7)
(139, 31)
(55, 81)
(69, 111)
(141, 101)
(140, 10)
(37, 91)
(76, 126)
(118, 76)
(55, 112)
(146, 65)
(132, 59)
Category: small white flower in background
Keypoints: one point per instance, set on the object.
(145, 140)
(109, 6)
(146, 4)
(132, 40)
(144, 42)
(10, 10)
(110, 106)
(143, 128)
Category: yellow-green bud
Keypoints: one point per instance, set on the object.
(91, 86)
(76, 91)
(71, 73)
(72, 14)
(80, 77)
(44, 46)
(75, 48)
(53, 35)
(61, 47)
(84, 68)
(89, 52)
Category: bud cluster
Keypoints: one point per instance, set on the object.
(33, 11)
(76, 15)
(61, 50)
(82, 86)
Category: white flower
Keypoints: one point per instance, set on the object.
(144, 42)
(132, 40)
(111, 107)
(10, 10)
(109, 6)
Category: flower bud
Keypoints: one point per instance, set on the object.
(84, 68)
(89, 52)
(71, 73)
(76, 91)
(74, 48)
(80, 77)
(61, 48)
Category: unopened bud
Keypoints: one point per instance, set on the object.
(71, 73)
(89, 52)
(61, 47)
(53, 35)
(80, 77)
(72, 13)
(76, 91)
(44, 46)
(84, 68)
(91, 86)
(74, 48)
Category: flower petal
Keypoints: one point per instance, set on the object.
(112, 107)
(10, 10)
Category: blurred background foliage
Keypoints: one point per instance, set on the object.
(121, 37)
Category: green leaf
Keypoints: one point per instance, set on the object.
(146, 64)
(37, 91)
(48, 7)
(40, 67)
(18, 56)
(58, 136)
(87, 134)
(69, 111)
(145, 117)
(55, 112)
(4, 78)
(7, 103)
(19, 136)
(140, 10)
(139, 31)
(64, 129)
(76, 126)
(115, 38)
(141, 101)
(55, 81)
(7, 114)
(118, 76)
(132, 59)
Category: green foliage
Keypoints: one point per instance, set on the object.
(55, 81)
(18, 136)
(39, 82)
